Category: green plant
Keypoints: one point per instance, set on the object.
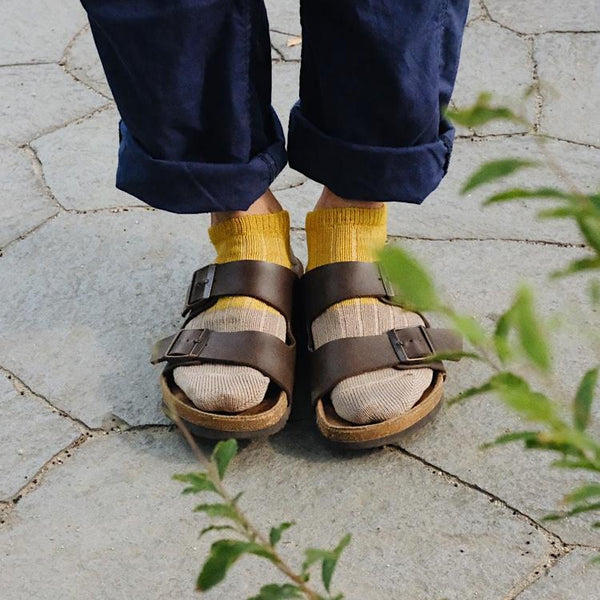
(518, 335)
(245, 538)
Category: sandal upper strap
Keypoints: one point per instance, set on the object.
(329, 284)
(264, 280)
(256, 349)
(406, 348)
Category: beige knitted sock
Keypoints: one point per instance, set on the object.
(352, 234)
(230, 388)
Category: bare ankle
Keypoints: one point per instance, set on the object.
(264, 205)
(329, 199)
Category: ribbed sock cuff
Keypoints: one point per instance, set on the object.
(253, 237)
(344, 234)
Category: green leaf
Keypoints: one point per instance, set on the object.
(595, 560)
(411, 282)
(590, 228)
(521, 193)
(530, 331)
(581, 508)
(512, 437)
(470, 392)
(584, 398)
(469, 328)
(274, 591)
(222, 454)
(275, 533)
(328, 558)
(495, 169)
(503, 325)
(199, 482)
(481, 113)
(585, 492)
(584, 264)
(329, 564)
(216, 528)
(223, 554)
(225, 511)
(515, 392)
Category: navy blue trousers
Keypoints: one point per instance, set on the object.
(192, 82)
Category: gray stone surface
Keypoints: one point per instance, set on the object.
(497, 61)
(67, 342)
(37, 30)
(126, 530)
(80, 162)
(287, 46)
(569, 74)
(448, 215)
(85, 294)
(285, 89)
(574, 578)
(24, 202)
(82, 61)
(33, 99)
(480, 280)
(284, 17)
(31, 435)
(536, 16)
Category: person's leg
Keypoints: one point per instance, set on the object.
(375, 78)
(192, 82)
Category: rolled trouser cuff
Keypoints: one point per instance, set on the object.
(362, 172)
(195, 187)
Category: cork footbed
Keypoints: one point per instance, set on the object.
(265, 419)
(339, 431)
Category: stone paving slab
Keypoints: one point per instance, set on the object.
(32, 100)
(24, 202)
(573, 578)
(82, 61)
(127, 530)
(80, 162)
(537, 16)
(483, 287)
(448, 215)
(284, 16)
(569, 74)
(38, 30)
(508, 79)
(32, 434)
(286, 46)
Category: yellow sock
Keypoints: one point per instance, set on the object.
(251, 237)
(344, 234)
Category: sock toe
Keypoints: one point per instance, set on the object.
(222, 388)
(379, 395)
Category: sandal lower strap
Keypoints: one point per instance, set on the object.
(256, 349)
(407, 348)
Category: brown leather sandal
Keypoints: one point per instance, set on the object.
(268, 282)
(407, 348)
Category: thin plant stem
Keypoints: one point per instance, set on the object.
(249, 530)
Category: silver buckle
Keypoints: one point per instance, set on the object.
(207, 283)
(196, 344)
(400, 350)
